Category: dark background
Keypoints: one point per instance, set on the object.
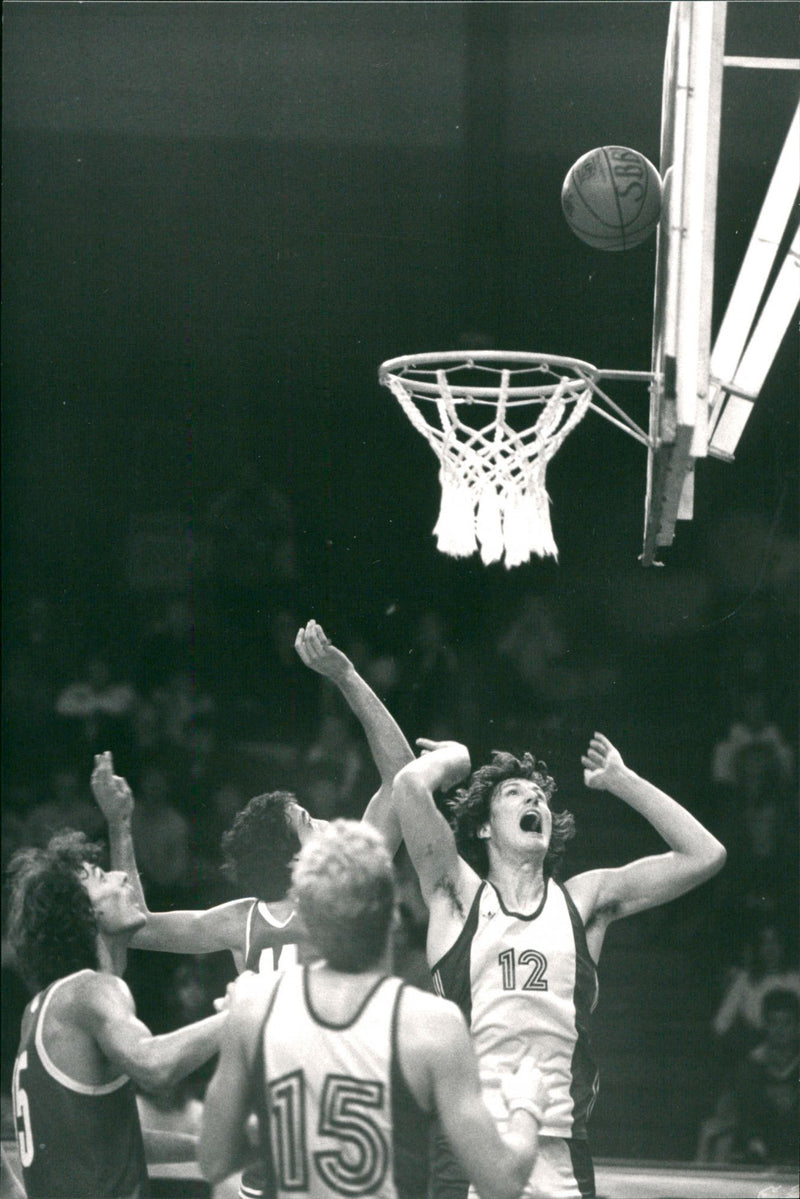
(220, 218)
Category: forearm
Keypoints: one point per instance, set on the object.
(224, 1146)
(438, 770)
(681, 831)
(123, 855)
(382, 815)
(499, 1165)
(389, 748)
(171, 1056)
(161, 1146)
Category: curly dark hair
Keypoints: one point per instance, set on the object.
(259, 847)
(469, 809)
(52, 926)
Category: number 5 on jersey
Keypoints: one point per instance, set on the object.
(22, 1113)
(347, 1114)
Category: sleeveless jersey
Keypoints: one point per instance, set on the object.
(259, 954)
(264, 958)
(341, 1117)
(75, 1140)
(528, 984)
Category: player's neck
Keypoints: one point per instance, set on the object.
(336, 996)
(112, 952)
(520, 884)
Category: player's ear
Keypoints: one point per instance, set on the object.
(485, 832)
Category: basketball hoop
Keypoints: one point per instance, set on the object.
(472, 407)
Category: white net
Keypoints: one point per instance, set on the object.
(472, 412)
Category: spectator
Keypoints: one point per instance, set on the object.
(759, 827)
(738, 1021)
(94, 708)
(766, 1089)
(68, 805)
(162, 839)
(167, 645)
(334, 765)
(751, 725)
(180, 703)
(756, 1120)
(428, 685)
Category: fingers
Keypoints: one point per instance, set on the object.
(598, 751)
(593, 760)
(311, 641)
(103, 763)
(426, 744)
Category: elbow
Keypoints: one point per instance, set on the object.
(718, 857)
(705, 867)
(213, 1169)
(405, 789)
(154, 1072)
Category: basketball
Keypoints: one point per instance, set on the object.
(611, 198)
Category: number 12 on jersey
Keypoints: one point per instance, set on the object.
(535, 978)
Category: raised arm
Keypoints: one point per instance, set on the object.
(447, 883)
(104, 1008)
(694, 855)
(115, 800)
(389, 748)
(498, 1165)
(217, 928)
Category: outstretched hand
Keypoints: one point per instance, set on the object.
(452, 758)
(319, 654)
(111, 791)
(429, 746)
(601, 763)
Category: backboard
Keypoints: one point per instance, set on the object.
(701, 396)
(681, 349)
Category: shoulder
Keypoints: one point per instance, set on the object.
(98, 986)
(249, 997)
(92, 995)
(248, 1001)
(428, 1022)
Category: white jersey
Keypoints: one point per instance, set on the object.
(341, 1118)
(527, 984)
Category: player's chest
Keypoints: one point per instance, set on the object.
(514, 956)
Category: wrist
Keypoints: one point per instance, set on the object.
(343, 674)
(524, 1104)
(622, 782)
(121, 823)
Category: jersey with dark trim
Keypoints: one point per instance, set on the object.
(342, 1119)
(75, 1140)
(260, 954)
(527, 984)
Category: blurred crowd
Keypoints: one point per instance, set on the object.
(203, 712)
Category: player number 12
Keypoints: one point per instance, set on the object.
(535, 980)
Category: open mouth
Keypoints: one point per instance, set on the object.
(531, 822)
